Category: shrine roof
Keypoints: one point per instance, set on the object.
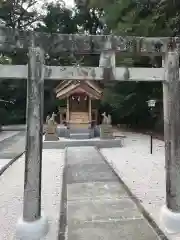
(67, 88)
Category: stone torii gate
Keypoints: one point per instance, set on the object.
(34, 224)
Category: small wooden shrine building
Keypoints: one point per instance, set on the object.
(80, 98)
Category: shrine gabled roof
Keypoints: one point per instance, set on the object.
(62, 85)
(77, 87)
(67, 88)
(95, 86)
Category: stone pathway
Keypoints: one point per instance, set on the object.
(10, 147)
(143, 173)
(13, 146)
(7, 134)
(98, 207)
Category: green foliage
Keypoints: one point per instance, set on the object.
(126, 101)
(61, 102)
(89, 20)
(58, 19)
(19, 14)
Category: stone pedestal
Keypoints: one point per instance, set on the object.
(106, 131)
(51, 133)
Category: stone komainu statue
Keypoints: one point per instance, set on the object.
(106, 119)
(109, 119)
(53, 117)
(51, 134)
(51, 120)
(47, 119)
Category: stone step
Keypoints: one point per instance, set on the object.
(80, 135)
(73, 125)
(79, 130)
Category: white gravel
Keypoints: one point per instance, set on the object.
(142, 172)
(4, 162)
(11, 193)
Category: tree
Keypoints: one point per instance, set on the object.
(19, 14)
(58, 19)
(127, 101)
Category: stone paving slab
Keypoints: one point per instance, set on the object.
(88, 173)
(77, 153)
(126, 230)
(96, 191)
(108, 213)
(101, 210)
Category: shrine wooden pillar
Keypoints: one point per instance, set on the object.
(90, 109)
(60, 115)
(67, 112)
(60, 118)
(96, 116)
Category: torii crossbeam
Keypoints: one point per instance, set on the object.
(84, 73)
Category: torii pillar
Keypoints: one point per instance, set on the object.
(33, 225)
(170, 213)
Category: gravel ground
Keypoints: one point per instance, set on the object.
(11, 194)
(142, 172)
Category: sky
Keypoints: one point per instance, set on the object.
(69, 3)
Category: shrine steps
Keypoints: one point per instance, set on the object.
(86, 135)
(80, 133)
(75, 130)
